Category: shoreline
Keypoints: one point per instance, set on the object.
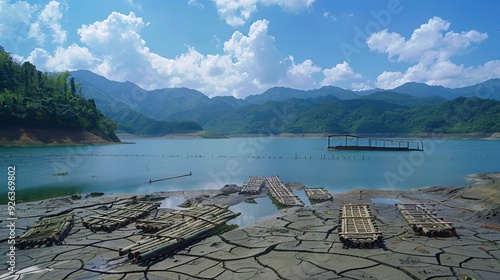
(40, 137)
(446, 136)
(65, 138)
(301, 242)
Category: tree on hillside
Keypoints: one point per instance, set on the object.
(32, 98)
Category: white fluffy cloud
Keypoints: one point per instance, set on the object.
(256, 53)
(114, 31)
(49, 19)
(339, 72)
(300, 76)
(249, 63)
(238, 12)
(16, 18)
(64, 59)
(123, 53)
(431, 47)
(360, 86)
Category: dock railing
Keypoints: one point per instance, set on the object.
(355, 142)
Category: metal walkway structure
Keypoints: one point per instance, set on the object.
(358, 143)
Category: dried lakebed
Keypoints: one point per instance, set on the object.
(302, 243)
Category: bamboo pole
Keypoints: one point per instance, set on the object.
(356, 221)
(166, 238)
(164, 249)
(152, 245)
(431, 223)
(108, 219)
(124, 250)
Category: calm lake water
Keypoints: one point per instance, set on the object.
(127, 168)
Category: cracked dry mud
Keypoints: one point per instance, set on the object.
(300, 244)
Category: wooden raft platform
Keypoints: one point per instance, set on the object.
(318, 194)
(120, 216)
(176, 230)
(253, 185)
(282, 193)
(357, 226)
(424, 221)
(46, 231)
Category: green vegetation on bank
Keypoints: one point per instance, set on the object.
(31, 98)
(320, 115)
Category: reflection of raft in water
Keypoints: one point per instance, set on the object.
(358, 143)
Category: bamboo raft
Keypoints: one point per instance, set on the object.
(282, 193)
(120, 216)
(318, 194)
(424, 221)
(176, 230)
(253, 185)
(46, 231)
(357, 226)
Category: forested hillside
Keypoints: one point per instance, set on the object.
(362, 116)
(31, 98)
(424, 109)
(129, 106)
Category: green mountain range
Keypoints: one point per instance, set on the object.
(84, 100)
(412, 108)
(123, 102)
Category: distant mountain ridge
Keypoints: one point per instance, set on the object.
(489, 89)
(403, 98)
(124, 101)
(325, 109)
(283, 93)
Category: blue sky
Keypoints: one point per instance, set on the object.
(243, 47)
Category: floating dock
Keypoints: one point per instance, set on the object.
(254, 185)
(357, 226)
(358, 143)
(282, 193)
(175, 230)
(120, 216)
(424, 220)
(46, 231)
(318, 194)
